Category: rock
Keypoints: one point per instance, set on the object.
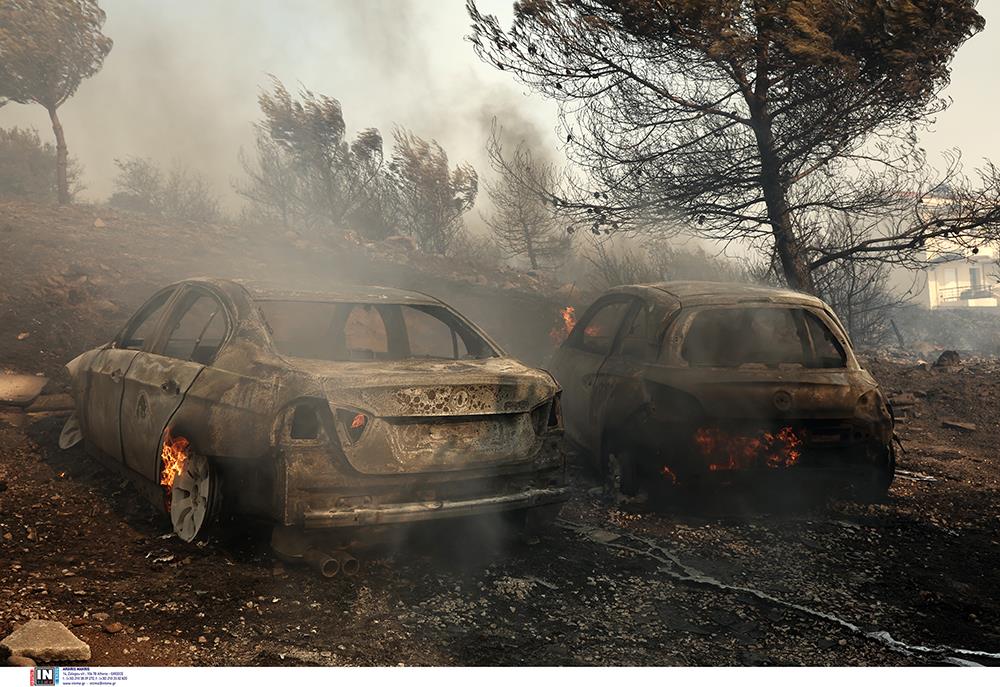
(21, 662)
(46, 640)
(603, 536)
(77, 622)
(113, 628)
(402, 242)
(902, 399)
(20, 390)
(101, 617)
(99, 223)
(948, 359)
(22, 336)
(954, 424)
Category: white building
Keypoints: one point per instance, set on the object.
(958, 279)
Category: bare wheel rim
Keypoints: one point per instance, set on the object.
(71, 434)
(614, 475)
(192, 498)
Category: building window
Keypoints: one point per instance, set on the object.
(976, 278)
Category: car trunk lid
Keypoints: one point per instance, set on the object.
(427, 416)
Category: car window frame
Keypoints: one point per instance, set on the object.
(395, 327)
(576, 336)
(132, 323)
(835, 328)
(650, 309)
(179, 306)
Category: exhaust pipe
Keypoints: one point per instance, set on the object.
(347, 563)
(327, 565)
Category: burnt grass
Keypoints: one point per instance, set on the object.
(732, 579)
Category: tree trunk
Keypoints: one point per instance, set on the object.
(62, 156)
(786, 244)
(530, 248)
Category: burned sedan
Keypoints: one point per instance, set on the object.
(683, 382)
(364, 407)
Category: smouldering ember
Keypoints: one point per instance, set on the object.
(559, 333)
(172, 457)
(727, 451)
(669, 475)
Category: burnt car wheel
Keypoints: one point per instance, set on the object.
(621, 475)
(875, 484)
(71, 434)
(194, 498)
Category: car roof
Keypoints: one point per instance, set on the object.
(262, 291)
(690, 293)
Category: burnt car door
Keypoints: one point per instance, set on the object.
(580, 359)
(156, 382)
(100, 417)
(620, 380)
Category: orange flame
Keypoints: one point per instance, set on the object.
(561, 331)
(358, 421)
(725, 451)
(172, 457)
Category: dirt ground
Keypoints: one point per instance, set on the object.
(740, 578)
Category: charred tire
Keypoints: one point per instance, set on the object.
(621, 471)
(874, 485)
(533, 521)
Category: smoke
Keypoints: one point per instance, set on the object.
(182, 81)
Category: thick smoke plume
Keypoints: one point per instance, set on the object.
(181, 84)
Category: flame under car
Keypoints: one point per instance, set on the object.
(686, 382)
(319, 411)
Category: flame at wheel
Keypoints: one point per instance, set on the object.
(173, 455)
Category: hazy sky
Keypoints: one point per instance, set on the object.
(182, 80)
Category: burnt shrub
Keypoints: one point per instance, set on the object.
(180, 193)
(28, 167)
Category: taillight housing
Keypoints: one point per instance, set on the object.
(548, 416)
(354, 423)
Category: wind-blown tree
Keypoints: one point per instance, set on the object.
(304, 164)
(752, 120)
(272, 186)
(431, 198)
(523, 222)
(47, 47)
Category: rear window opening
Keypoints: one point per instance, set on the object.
(371, 332)
(764, 337)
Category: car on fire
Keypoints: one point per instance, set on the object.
(363, 407)
(681, 382)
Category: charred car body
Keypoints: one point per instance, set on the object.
(364, 407)
(681, 381)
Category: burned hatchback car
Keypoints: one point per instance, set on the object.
(680, 382)
(365, 407)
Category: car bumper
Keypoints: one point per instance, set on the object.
(421, 511)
